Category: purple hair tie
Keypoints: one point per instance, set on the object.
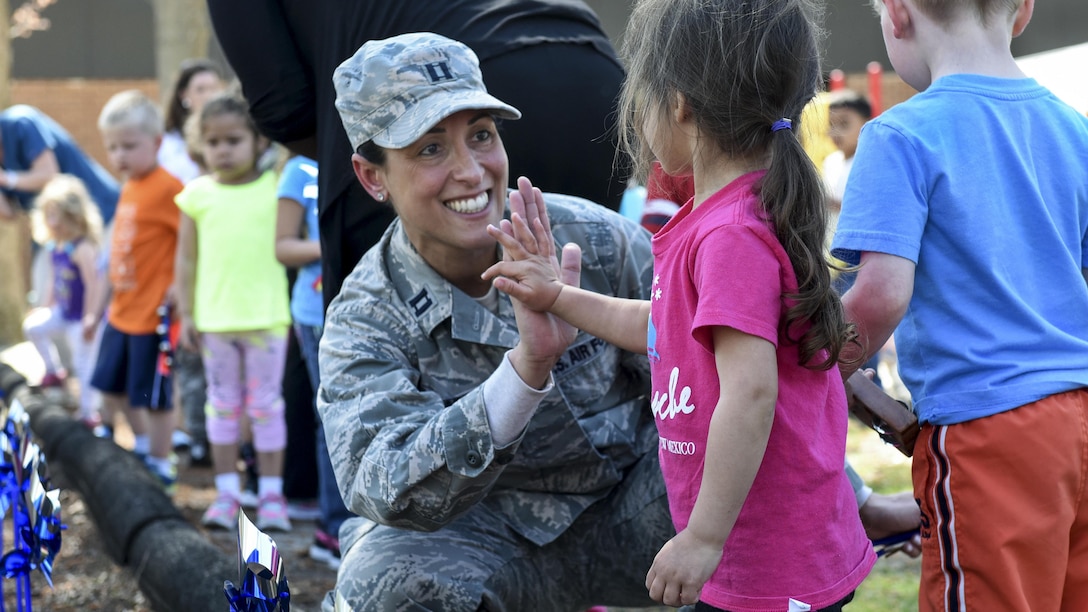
(782, 124)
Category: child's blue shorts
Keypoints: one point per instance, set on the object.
(128, 363)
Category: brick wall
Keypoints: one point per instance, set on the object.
(75, 104)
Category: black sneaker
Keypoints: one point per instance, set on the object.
(199, 455)
(181, 440)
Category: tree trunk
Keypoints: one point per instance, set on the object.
(182, 30)
(12, 233)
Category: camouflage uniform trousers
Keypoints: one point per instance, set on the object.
(479, 563)
(191, 389)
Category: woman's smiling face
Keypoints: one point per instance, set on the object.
(448, 186)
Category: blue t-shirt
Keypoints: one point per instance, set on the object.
(26, 132)
(299, 183)
(982, 182)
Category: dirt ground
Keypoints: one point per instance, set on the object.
(86, 578)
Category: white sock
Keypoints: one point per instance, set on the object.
(229, 483)
(141, 444)
(269, 485)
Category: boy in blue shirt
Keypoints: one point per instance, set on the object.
(968, 209)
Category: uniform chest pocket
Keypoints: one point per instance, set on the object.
(587, 372)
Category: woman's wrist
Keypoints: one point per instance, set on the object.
(534, 372)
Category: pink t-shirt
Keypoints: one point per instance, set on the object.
(798, 535)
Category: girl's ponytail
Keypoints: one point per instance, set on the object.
(793, 195)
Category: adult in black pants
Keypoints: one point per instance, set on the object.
(549, 58)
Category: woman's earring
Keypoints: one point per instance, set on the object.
(380, 196)
(185, 103)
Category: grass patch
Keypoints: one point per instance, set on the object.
(892, 586)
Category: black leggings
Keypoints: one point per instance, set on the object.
(835, 607)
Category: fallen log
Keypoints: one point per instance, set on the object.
(175, 566)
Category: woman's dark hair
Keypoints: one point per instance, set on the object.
(177, 113)
(375, 154)
(741, 66)
(372, 153)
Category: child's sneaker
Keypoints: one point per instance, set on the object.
(53, 379)
(303, 510)
(272, 513)
(325, 548)
(199, 455)
(167, 476)
(223, 513)
(180, 439)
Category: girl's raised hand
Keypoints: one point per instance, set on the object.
(530, 271)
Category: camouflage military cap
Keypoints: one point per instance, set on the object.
(393, 90)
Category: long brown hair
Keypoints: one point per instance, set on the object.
(742, 65)
(176, 111)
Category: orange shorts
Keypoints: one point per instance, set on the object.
(1004, 515)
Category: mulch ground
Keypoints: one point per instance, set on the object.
(85, 577)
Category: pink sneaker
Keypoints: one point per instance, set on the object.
(326, 548)
(53, 379)
(272, 513)
(223, 513)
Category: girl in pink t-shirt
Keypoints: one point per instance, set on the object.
(744, 328)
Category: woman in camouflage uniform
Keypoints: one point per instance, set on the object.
(498, 459)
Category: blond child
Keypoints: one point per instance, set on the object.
(141, 273)
(967, 208)
(66, 220)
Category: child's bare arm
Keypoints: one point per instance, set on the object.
(739, 430)
(86, 259)
(530, 273)
(292, 250)
(876, 303)
(184, 281)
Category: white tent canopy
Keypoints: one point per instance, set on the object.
(1062, 71)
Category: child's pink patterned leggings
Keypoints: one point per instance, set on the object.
(245, 369)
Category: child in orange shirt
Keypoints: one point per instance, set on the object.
(141, 277)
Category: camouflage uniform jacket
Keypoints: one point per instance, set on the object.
(403, 359)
